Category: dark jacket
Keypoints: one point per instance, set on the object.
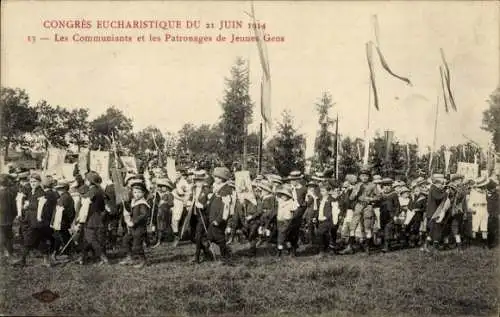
(202, 199)
(97, 209)
(245, 209)
(418, 204)
(8, 210)
(301, 199)
(327, 210)
(215, 207)
(47, 210)
(139, 216)
(68, 215)
(109, 191)
(389, 207)
(436, 196)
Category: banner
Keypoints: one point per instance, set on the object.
(171, 172)
(389, 135)
(243, 185)
(447, 157)
(468, 170)
(67, 171)
(83, 162)
(121, 191)
(99, 162)
(55, 161)
(130, 163)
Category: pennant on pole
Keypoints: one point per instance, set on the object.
(446, 76)
(369, 58)
(444, 90)
(266, 76)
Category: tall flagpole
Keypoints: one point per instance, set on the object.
(434, 136)
(245, 125)
(337, 148)
(367, 141)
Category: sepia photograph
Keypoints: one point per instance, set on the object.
(250, 158)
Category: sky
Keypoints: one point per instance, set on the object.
(169, 84)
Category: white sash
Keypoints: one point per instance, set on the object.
(84, 210)
(41, 203)
(321, 214)
(226, 200)
(409, 216)
(58, 218)
(19, 203)
(335, 212)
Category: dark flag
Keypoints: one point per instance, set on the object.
(444, 90)
(369, 57)
(383, 61)
(387, 68)
(447, 80)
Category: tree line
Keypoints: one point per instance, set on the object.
(40, 125)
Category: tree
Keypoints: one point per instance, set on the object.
(16, 116)
(78, 126)
(348, 158)
(323, 144)
(112, 123)
(288, 146)
(237, 112)
(491, 118)
(51, 124)
(150, 139)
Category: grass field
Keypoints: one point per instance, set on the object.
(403, 283)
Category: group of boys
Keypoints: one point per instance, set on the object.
(84, 216)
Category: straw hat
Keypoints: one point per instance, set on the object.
(284, 190)
(164, 182)
(295, 175)
(222, 172)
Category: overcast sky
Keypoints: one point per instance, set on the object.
(169, 84)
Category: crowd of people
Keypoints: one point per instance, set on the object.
(85, 218)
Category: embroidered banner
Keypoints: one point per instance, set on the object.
(83, 162)
(468, 170)
(55, 162)
(67, 171)
(99, 162)
(243, 185)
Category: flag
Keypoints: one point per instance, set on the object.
(265, 85)
(369, 58)
(444, 91)
(383, 62)
(386, 67)
(446, 75)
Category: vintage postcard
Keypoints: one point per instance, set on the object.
(249, 158)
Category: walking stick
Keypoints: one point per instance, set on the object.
(67, 244)
(206, 232)
(187, 219)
